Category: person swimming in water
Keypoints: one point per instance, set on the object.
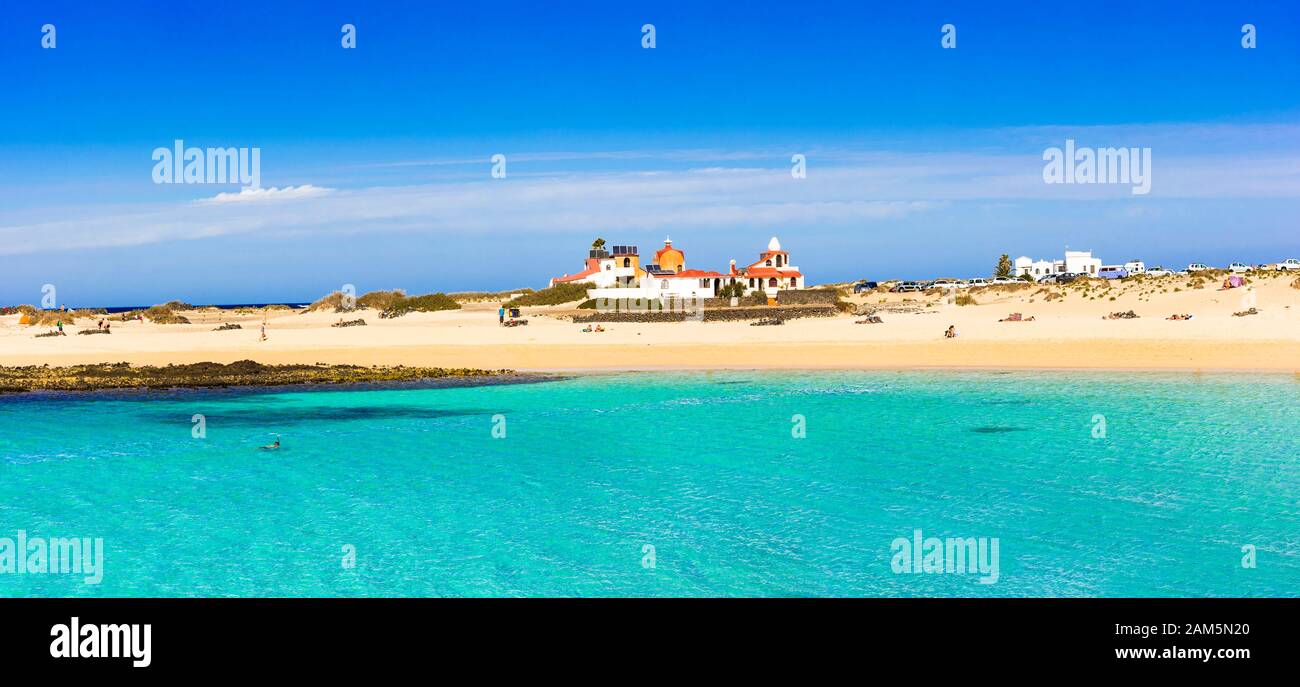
(272, 447)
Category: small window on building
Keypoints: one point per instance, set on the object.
(627, 262)
(793, 282)
(772, 282)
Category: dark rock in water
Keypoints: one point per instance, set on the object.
(349, 323)
(227, 327)
(997, 430)
(199, 375)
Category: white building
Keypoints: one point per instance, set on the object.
(1075, 262)
(668, 279)
(621, 268)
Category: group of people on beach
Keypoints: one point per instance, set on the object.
(105, 326)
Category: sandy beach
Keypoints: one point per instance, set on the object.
(1068, 332)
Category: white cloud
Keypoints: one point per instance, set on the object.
(246, 195)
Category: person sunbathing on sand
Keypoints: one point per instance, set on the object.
(1017, 317)
(951, 333)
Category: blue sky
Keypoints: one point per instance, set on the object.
(921, 161)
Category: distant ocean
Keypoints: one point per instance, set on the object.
(668, 484)
(129, 308)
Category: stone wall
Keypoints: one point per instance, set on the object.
(808, 297)
(713, 314)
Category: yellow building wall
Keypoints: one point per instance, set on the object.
(672, 259)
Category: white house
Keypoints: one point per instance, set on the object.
(1075, 262)
(668, 279)
(606, 269)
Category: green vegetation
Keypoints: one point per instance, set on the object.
(380, 300)
(566, 292)
(491, 296)
(167, 313)
(1004, 266)
(965, 299)
(333, 301)
(736, 290)
(429, 302)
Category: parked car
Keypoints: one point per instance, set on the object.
(865, 286)
(1157, 271)
(905, 287)
(1288, 264)
(1058, 278)
(1007, 280)
(1238, 267)
(1112, 273)
(1197, 267)
(944, 284)
(978, 281)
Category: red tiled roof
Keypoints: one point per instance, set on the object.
(770, 272)
(690, 274)
(593, 266)
(665, 249)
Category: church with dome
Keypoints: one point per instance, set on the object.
(619, 273)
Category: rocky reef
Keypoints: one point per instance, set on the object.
(203, 375)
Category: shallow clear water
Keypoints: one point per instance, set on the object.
(703, 467)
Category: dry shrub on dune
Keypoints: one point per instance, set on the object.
(1296, 283)
(333, 302)
(380, 300)
(429, 302)
(166, 314)
(50, 318)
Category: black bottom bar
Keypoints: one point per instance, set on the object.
(937, 637)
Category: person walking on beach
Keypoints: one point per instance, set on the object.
(59, 324)
(501, 315)
(263, 332)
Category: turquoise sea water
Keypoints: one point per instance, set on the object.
(702, 467)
